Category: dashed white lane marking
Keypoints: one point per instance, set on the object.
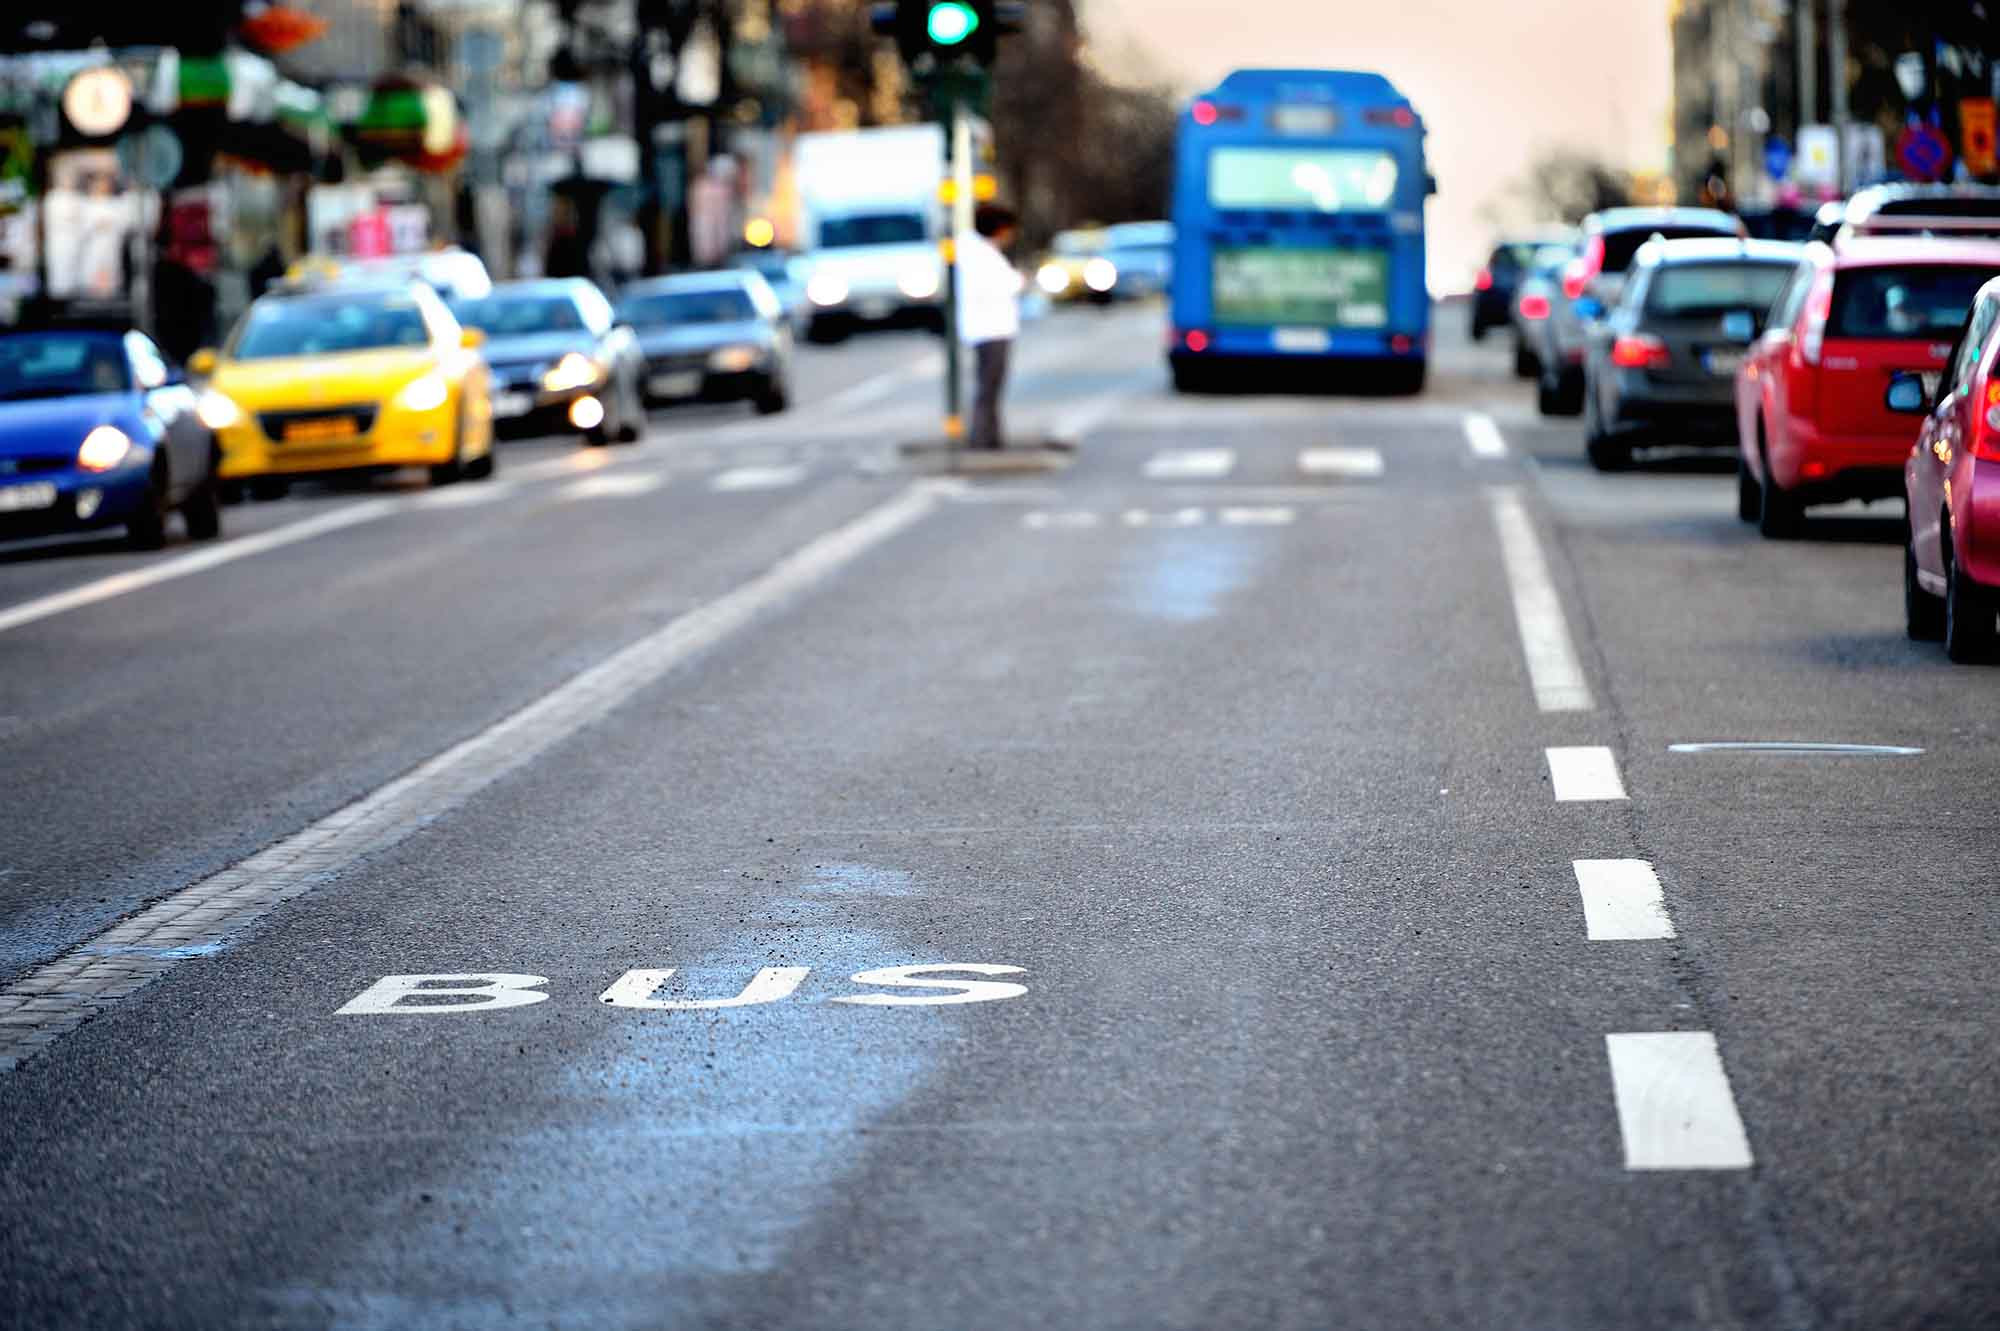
(614, 485)
(1585, 773)
(1181, 517)
(757, 478)
(1675, 1108)
(466, 496)
(1553, 667)
(57, 997)
(1084, 519)
(1351, 463)
(199, 561)
(1191, 464)
(1483, 436)
(1040, 521)
(1272, 516)
(1622, 901)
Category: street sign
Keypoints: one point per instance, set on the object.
(153, 156)
(1819, 156)
(1922, 153)
(1976, 126)
(1777, 157)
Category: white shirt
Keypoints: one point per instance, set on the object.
(989, 293)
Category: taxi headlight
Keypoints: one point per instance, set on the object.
(732, 360)
(1053, 278)
(103, 448)
(826, 289)
(427, 393)
(218, 411)
(1100, 275)
(574, 370)
(918, 283)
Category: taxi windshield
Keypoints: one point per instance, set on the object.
(328, 325)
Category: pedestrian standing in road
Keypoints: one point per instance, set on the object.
(989, 314)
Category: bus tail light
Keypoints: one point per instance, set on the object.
(1396, 117)
(1401, 344)
(1534, 307)
(1195, 340)
(1206, 113)
(1639, 351)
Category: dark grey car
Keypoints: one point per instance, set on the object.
(559, 357)
(712, 337)
(1661, 367)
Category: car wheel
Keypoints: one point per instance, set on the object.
(1968, 615)
(772, 398)
(202, 510)
(1546, 401)
(1749, 500)
(447, 473)
(1527, 365)
(146, 529)
(631, 415)
(1923, 613)
(1478, 331)
(1569, 393)
(1605, 453)
(1778, 513)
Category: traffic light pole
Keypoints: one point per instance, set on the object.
(959, 137)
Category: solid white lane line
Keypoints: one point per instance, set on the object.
(1553, 667)
(1799, 748)
(1483, 436)
(1675, 1108)
(1353, 463)
(1185, 464)
(1622, 901)
(757, 478)
(1587, 772)
(55, 998)
(614, 485)
(198, 561)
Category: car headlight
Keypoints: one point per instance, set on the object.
(427, 393)
(826, 289)
(919, 283)
(104, 448)
(732, 360)
(218, 411)
(574, 370)
(1052, 278)
(1100, 275)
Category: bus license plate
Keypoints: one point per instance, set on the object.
(1301, 339)
(21, 498)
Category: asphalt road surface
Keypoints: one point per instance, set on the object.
(1248, 876)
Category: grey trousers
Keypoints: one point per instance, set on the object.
(989, 381)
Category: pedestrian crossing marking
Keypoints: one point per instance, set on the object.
(757, 478)
(1191, 464)
(1347, 463)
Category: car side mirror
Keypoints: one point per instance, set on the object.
(471, 338)
(1430, 184)
(1906, 396)
(202, 362)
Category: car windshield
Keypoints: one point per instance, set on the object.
(1916, 302)
(1139, 254)
(1686, 290)
(774, 266)
(513, 316)
(728, 306)
(60, 365)
(1077, 243)
(328, 325)
(871, 229)
(1620, 246)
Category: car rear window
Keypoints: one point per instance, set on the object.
(1685, 290)
(1915, 302)
(1620, 246)
(1934, 207)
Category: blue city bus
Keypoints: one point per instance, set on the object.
(1299, 228)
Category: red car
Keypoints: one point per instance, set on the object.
(1951, 565)
(1812, 422)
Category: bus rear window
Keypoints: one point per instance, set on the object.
(1919, 303)
(1325, 180)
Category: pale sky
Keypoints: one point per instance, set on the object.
(1497, 81)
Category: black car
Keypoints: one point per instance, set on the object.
(1493, 289)
(559, 357)
(1661, 367)
(711, 337)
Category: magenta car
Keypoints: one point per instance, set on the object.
(1951, 564)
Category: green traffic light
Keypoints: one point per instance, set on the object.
(949, 24)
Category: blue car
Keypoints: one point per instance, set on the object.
(96, 431)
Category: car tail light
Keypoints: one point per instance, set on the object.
(1576, 279)
(1986, 430)
(1483, 282)
(1400, 117)
(1534, 307)
(1639, 351)
(1812, 333)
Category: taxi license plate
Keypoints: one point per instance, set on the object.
(512, 404)
(322, 430)
(22, 498)
(1300, 339)
(1725, 363)
(685, 384)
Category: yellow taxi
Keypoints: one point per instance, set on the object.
(1075, 267)
(316, 380)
